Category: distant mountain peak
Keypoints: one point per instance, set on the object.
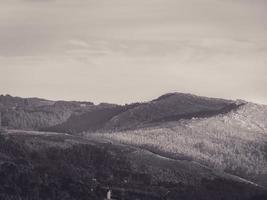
(167, 95)
(189, 96)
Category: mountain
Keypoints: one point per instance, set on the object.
(75, 117)
(9, 102)
(35, 113)
(91, 121)
(234, 142)
(169, 107)
(88, 121)
(178, 146)
(38, 165)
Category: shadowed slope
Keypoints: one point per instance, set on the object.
(171, 107)
(59, 166)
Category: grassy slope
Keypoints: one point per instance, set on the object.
(235, 142)
(58, 166)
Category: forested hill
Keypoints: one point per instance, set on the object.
(169, 107)
(35, 113)
(178, 146)
(76, 117)
(41, 166)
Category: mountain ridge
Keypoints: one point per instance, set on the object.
(177, 146)
(64, 116)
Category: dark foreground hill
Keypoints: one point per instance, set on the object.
(42, 166)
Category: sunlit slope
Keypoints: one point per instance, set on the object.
(235, 142)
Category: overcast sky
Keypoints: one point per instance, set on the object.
(122, 51)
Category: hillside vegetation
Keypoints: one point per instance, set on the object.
(38, 165)
(35, 113)
(169, 107)
(235, 142)
(76, 117)
(178, 146)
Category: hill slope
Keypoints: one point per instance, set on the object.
(169, 107)
(75, 117)
(35, 113)
(35, 165)
(235, 142)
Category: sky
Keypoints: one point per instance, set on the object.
(123, 51)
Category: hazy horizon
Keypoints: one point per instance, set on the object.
(124, 51)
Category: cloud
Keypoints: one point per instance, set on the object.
(78, 43)
(133, 46)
